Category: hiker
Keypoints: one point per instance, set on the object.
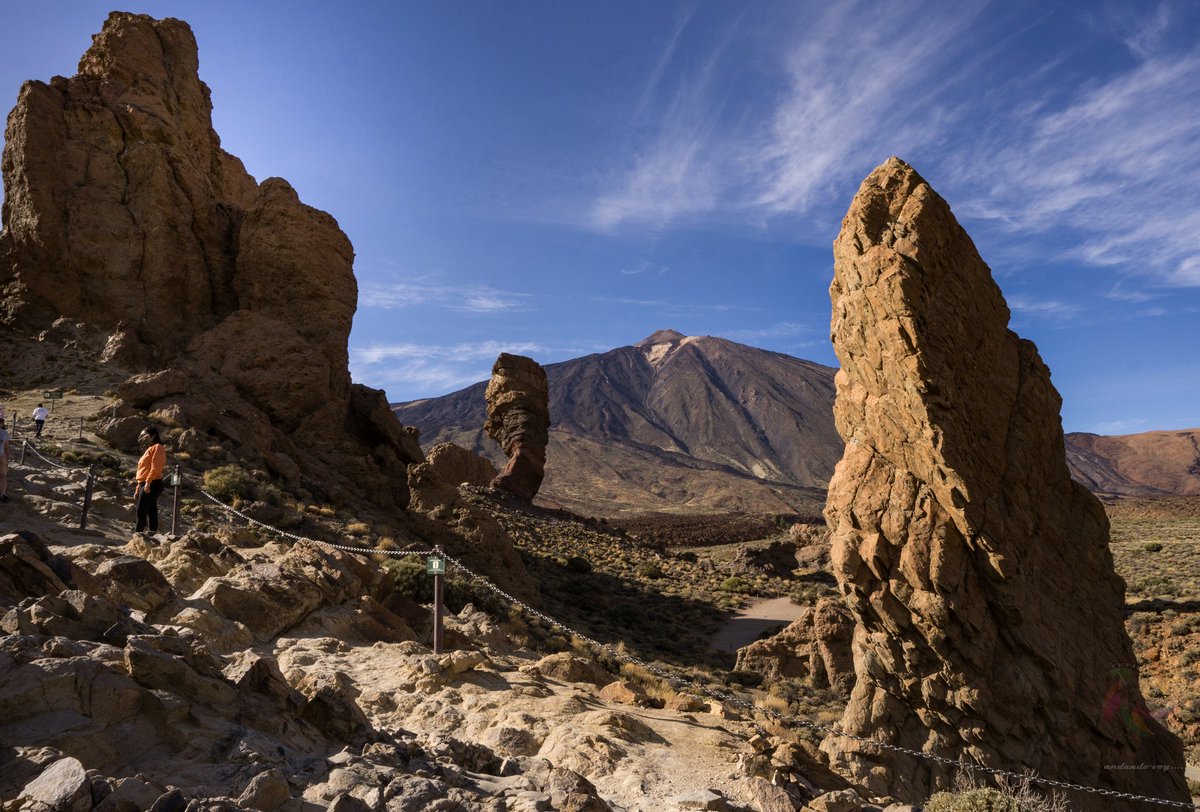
(39, 418)
(149, 480)
(3, 461)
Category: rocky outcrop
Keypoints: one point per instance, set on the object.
(519, 420)
(815, 646)
(122, 212)
(987, 613)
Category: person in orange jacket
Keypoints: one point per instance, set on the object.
(149, 479)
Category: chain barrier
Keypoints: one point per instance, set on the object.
(56, 466)
(294, 537)
(677, 682)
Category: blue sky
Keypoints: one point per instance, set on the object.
(556, 179)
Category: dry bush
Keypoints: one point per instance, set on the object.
(1007, 796)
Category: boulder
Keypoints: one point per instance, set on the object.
(519, 420)
(62, 787)
(567, 667)
(815, 646)
(987, 612)
(455, 465)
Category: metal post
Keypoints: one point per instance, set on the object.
(87, 496)
(81, 428)
(437, 606)
(16, 423)
(24, 445)
(176, 478)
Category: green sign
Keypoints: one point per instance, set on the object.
(54, 395)
(435, 566)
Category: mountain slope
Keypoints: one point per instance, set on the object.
(671, 423)
(702, 424)
(1152, 463)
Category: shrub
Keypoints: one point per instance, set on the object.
(650, 570)
(974, 800)
(228, 482)
(578, 563)
(737, 585)
(1007, 797)
(1152, 547)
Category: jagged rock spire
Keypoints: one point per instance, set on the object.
(988, 613)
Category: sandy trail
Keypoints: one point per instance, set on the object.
(745, 626)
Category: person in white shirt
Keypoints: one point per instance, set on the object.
(39, 418)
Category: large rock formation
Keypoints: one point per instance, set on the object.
(519, 420)
(988, 614)
(122, 212)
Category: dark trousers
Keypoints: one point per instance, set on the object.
(147, 506)
(39, 424)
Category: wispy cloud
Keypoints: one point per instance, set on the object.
(414, 370)
(1099, 169)
(1119, 427)
(432, 292)
(644, 267)
(380, 353)
(1044, 308)
(784, 329)
(853, 82)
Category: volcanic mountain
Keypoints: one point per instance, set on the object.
(1153, 463)
(673, 423)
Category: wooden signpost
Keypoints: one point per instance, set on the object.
(435, 565)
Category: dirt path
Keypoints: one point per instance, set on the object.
(745, 626)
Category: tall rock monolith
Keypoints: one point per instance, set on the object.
(122, 212)
(987, 611)
(518, 418)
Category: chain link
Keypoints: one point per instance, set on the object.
(729, 699)
(54, 465)
(294, 537)
(676, 682)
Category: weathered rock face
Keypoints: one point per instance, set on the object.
(816, 646)
(519, 420)
(122, 211)
(988, 614)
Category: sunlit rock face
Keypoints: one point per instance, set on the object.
(987, 612)
(122, 212)
(518, 399)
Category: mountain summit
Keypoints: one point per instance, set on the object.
(673, 422)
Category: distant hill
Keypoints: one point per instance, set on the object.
(673, 423)
(698, 424)
(1154, 463)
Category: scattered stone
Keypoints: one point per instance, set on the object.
(266, 791)
(767, 797)
(567, 667)
(686, 703)
(843, 800)
(62, 787)
(624, 692)
(457, 662)
(704, 799)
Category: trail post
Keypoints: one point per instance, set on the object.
(24, 445)
(87, 496)
(435, 565)
(176, 480)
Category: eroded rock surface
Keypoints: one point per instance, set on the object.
(519, 420)
(815, 646)
(122, 212)
(988, 614)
